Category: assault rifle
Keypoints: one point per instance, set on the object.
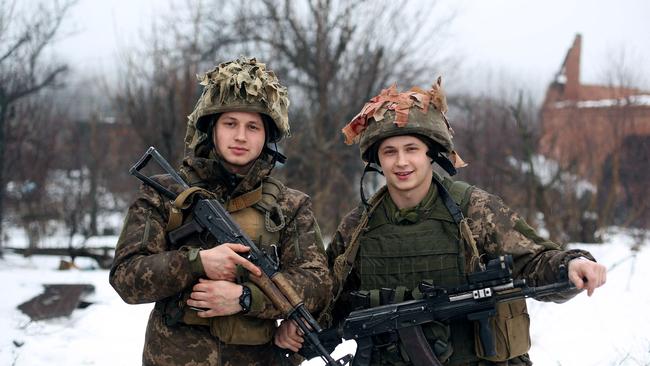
(475, 301)
(209, 216)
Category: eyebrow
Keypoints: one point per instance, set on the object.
(395, 147)
(229, 118)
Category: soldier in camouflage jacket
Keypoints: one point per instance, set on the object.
(405, 234)
(206, 311)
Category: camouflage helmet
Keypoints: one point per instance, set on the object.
(391, 113)
(242, 85)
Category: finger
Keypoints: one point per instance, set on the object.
(205, 284)
(576, 280)
(290, 343)
(249, 266)
(299, 332)
(207, 314)
(199, 296)
(294, 346)
(239, 248)
(592, 283)
(602, 276)
(289, 346)
(197, 303)
(200, 287)
(296, 338)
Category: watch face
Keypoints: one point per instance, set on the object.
(245, 299)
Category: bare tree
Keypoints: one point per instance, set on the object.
(24, 38)
(499, 137)
(31, 151)
(158, 87)
(335, 55)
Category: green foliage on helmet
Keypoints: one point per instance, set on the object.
(242, 85)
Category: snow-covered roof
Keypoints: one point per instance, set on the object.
(634, 100)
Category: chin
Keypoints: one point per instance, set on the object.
(403, 186)
(239, 160)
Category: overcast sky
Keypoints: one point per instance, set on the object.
(525, 40)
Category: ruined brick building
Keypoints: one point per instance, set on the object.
(600, 132)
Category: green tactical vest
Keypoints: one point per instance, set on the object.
(394, 255)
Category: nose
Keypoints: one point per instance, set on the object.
(401, 158)
(240, 134)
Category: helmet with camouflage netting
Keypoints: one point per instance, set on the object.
(240, 85)
(415, 112)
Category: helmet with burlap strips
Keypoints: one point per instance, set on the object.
(393, 113)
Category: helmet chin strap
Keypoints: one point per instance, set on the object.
(275, 154)
(444, 163)
(439, 159)
(370, 167)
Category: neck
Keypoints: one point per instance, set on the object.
(411, 198)
(237, 169)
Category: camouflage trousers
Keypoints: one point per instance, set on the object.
(193, 345)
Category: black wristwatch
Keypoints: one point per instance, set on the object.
(245, 299)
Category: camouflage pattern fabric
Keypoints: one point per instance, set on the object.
(497, 230)
(147, 269)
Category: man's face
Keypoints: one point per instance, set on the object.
(239, 139)
(405, 163)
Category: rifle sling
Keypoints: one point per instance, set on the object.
(180, 203)
(245, 200)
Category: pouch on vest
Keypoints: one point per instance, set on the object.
(510, 327)
(234, 329)
(243, 330)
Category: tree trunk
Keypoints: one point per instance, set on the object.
(3, 117)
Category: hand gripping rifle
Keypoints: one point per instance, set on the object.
(211, 217)
(475, 301)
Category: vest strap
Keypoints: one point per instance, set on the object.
(247, 199)
(268, 203)
(463, 226)
(452, 206)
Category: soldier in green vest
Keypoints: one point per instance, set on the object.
(207, 312)
(407, 233)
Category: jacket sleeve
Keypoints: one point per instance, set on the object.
(302, 259)
(145, 269)
(499, 230)
(343, 283)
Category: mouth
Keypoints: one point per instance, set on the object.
(238, 150)
(403, 175)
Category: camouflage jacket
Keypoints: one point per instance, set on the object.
(497, 230)
(147, 269)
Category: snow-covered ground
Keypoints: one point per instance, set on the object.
(610, 328)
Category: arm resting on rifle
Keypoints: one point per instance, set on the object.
(498, 230)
